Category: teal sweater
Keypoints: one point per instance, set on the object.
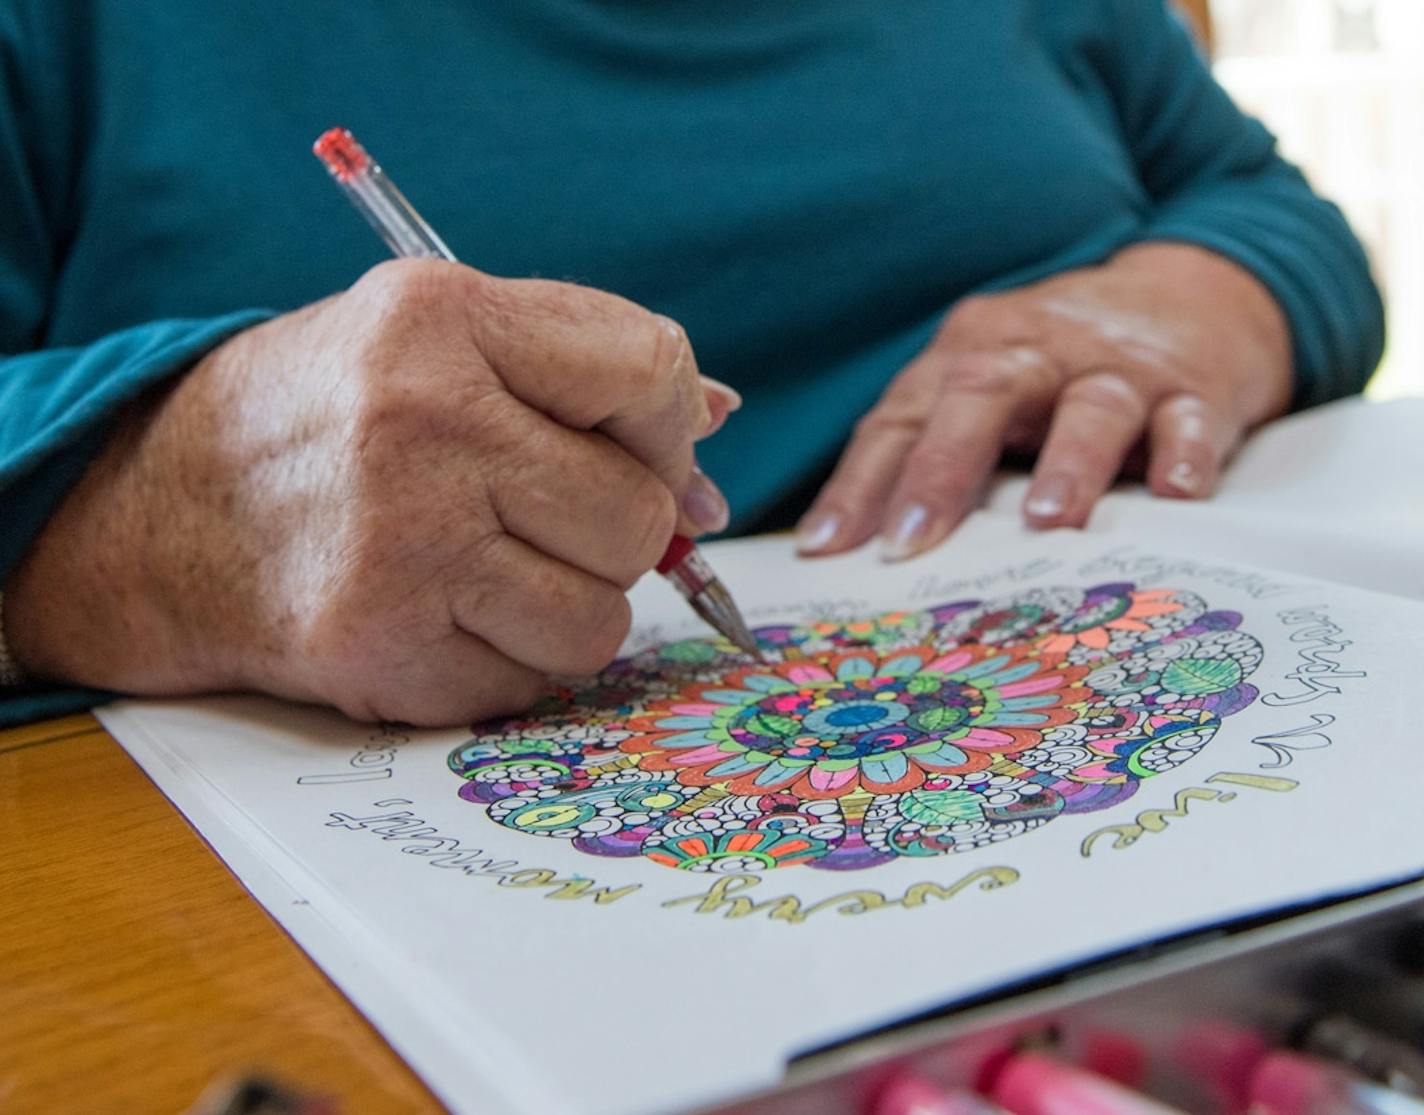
(806, 185)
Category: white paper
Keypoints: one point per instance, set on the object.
(508, 999)
(510, 988)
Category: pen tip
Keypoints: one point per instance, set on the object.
(742, 638)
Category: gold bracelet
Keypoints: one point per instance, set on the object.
(11, 676)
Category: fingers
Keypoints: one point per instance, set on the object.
(722, 401)
(919, 460)
(846, 513)
(459, 680)
(590, 359)
(1098, 419)
(538, 611)
(583, 357)
(1189, 444)
(946, 470)
(582, 499)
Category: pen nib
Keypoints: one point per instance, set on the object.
(694, 579)
(714, 604)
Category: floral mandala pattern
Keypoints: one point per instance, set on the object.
(915, 733)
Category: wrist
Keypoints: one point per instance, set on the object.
(91, 602)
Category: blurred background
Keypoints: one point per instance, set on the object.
(1341, 83)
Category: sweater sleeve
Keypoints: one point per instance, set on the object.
(1216, 180)
(56, 405)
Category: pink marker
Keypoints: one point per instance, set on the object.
(1032, 1084)
(914, 1095)
(1222, 1058)
(1113, 1054)
(1292, 1084)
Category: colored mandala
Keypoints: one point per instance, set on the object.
(910, 734)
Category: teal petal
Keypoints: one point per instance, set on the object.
(1018, 673)
(739, 764)
(779, 772)
(1041, 700)
(729, 696)
(988, 666)
(942, 756)
(885, 768)
(854, 668)
(768, 683)
(685, 722)
(686, 739)
(1010, 719)
(903, 666)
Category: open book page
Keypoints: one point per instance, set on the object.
(1333, 493)
(1000, 760)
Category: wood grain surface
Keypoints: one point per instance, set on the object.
(134, 969)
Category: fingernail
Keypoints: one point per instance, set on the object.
(904, 538)
(1185, 478)
(729, 393)
(817, 531)
(716, 419)
(704, 504)
(1048, 498)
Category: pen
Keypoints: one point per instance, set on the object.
(407, 234)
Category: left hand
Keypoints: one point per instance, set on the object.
(1166, 347)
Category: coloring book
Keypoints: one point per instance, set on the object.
(1005, 759)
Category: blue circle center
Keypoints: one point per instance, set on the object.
(856, 716)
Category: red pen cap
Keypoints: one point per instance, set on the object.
(343, 156)
(677, 549)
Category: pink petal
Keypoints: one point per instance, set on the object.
(949, 663)
(803, 674)
(696, 710)
(825, 780)
(1039, 684)
(697, 757)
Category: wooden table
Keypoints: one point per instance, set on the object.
(134, 969)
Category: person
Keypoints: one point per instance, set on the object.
(237, 452)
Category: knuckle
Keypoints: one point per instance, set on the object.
(668, 354)
(399, 287)
(1188, 421)
(1108, 392)
(935, 474)
(523, 306)
(986, 375)
(932, 459)
(893, 420)
(972, 314)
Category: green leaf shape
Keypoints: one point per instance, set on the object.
(1195, 677)
(770, 724)
(939, 719)
(922, 684)
(942, 807)
(694, 651)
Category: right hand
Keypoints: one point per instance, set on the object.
(413, 501)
